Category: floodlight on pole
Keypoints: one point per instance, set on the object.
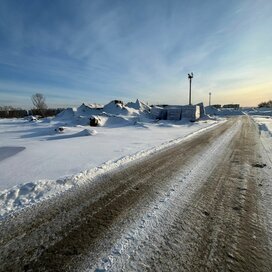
(190, 76)
(210, 98)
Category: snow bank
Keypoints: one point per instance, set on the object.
(25, 194)
(223, 111)
(264, 123)
(260, 111)
(232, 112)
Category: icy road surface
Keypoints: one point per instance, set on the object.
(200, 205)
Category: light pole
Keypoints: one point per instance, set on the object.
(210, 98)
(190, 76)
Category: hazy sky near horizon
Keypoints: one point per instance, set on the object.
(98, 50)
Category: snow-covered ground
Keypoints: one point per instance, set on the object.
(265, 129)
(264, 123)
(38, 160)
(42, 158)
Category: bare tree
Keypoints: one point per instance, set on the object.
(38, 101)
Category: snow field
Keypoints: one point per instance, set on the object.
(48, 164)
(265, 127)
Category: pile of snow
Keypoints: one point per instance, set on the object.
(223, 111)
(117, 107)
(66, 114)
(112, 114)
(29, 193)
(138, 105)
(108, 120)
(265, 124)
(260, 111)
(72, 132)
(95, 106)
(231, 112)
(85, 111)
(87, 132)
(31, 118)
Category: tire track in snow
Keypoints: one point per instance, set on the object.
(158, 219)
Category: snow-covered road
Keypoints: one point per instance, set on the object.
(194, 206)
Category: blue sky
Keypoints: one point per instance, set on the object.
(96, 51)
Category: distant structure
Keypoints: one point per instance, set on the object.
(217, 106)
(190, 76)
(232, 106)
(210, 98)
(201, 109)
(176, 112)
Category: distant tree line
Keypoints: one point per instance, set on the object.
(11, 112)
(40, 109)
(267, 104)
(45, 112)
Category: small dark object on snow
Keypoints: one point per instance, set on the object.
(241, 189)
(94, 121)
(206, 213)
(59, 129)
(259, 165)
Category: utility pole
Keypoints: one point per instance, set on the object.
(210, 98)
(190, 76)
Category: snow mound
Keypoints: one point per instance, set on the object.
(31, 118)
(86, 132)
(260, 111)
(223, 111)
(107, 120)
(29, 193)
(117, 107)
(115, 113)
(138, 105)
(84, 110)
(67, 114)
(68, 133)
